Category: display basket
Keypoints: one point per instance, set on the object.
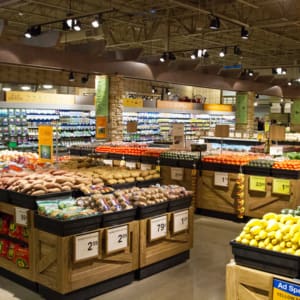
(178, 204)
(144, 212)
(118, 217)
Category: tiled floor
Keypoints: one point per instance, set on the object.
(202, 277)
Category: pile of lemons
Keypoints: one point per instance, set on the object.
(276, 232)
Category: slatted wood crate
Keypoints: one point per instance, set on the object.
(58, 270)
(258, 203)
(172, 244)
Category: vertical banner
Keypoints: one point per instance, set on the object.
(46, 143)
(101, 106)
(241, 114)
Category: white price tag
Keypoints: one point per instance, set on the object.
(130, 165)
(177, 173)
(276, 150)
(21, 216)
(117, 238)
(180, 221)
(221, 179)
(146, 167)
(158, 227)
(86, 246)
(108, 162)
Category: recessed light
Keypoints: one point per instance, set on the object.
(47, 86)
(6, 89)
(25, 88)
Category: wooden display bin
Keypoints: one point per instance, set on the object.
(27, 273)
(249, 284)
(214, 197)
(160, 250)
(257, 203)
(62, 266)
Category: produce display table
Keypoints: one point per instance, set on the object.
(244, 283)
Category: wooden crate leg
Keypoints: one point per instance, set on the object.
(231, 282)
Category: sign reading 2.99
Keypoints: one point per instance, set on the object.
(284, 290)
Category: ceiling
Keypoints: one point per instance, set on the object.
(142, 30)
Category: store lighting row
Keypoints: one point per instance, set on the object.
(279, 71)
(27, 87)
(68, 24)
(167, 90)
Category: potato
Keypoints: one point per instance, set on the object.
(54, 190)
(38, 193)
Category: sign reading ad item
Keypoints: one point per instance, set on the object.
(45, 143)
(283, 290)
(101, 127)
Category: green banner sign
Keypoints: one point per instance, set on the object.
(295, 113)
(102, 94)
(241, 114)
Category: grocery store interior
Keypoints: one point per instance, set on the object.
(150, 149)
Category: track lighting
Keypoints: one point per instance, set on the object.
(96, 21)
(71, 76)
(85, 79)
(167, 56)
(214, 23)
(279, 71)
(163, 58)
(237, 50)
(284, 71)
(34, 30)
(76, 25)
(154, 90)
(194, 55)
(244, 33)
(250, 73)
(289, 83)
(223, 52)
(168, 92)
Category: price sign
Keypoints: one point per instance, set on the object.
(180, 221)
(108, 162)
(117, 238)
(276, 150)
(86, 246)
(146, 167)
(283, 290)
(130, 164)
(221, 179)
(158, 227)
(177, 173)
(281, 186)
(257, 183)
(21, 216)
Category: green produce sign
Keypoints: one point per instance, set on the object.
(102, 93)
(295, 113)
(241, 114)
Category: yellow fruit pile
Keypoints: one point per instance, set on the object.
(277, 232)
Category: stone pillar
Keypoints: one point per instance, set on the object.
(116, 94)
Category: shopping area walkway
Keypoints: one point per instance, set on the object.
(202, 277)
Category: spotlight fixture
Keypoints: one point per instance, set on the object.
(279, 71)
(168, 92)
(244, 33)
(34, 30)
(69, 20)
(85, 79)
(163, 58)
(250, 73)
(214, 23)
(205, 53)
(194, 55)
(154, 90)
(223, 52)
(237, 50)
(284, 71)
(96, 21)
(255, 103)
(71, 76)
(289, 83)
(47, 86)
(257, 96)
(76, 25)
(6, 89)
(167, 56)
(27, 34)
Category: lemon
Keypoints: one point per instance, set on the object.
(282, 245)
(277, 248)
(285, 229)
(290, 251)
(274, 241)
(272, 225)
(248, 236)
(297, 252)
(267, 241)
(263, 234)
(296, 237)
(255, 230)
(253, 243)
(269, 216)
(288, 244)
(295, 247)
(269, 247)
(271, 234)
(246, 229)
(245, 241)
(278, 235)
(261, 244)
(287, 237)
(238, 239)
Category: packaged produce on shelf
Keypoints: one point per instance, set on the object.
(18, 157)
(4, 223)
(18, 255)
(276, 232)
(4, 246)
(17, 231)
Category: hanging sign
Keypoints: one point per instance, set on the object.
(241, 113)
(257, 183)
(177, 173)
(281, 186)
(45, 136)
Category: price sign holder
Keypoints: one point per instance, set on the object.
(130, 164)
(276, 150)
(86, 246)
(177, 174)
(21, 216)
(257, 183)
(108, 162)
(158, 228)
(116, 239)
(281, 186)
(146, 167)
(180, 221)
(221, 179)
(282, 290)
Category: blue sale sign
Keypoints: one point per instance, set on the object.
(284, 290)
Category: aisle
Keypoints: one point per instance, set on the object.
(201, 277)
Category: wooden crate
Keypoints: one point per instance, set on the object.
(57, 270)
(173, 244)
(29, 273)
(249, 284)
(216, 198)
(259, 203)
